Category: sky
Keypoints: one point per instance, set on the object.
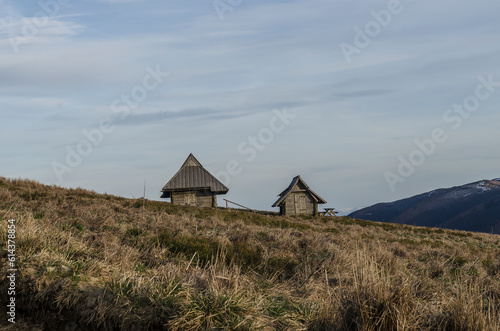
(369, 101)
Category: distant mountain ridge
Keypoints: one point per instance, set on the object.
(470, 207)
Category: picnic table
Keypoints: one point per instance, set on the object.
(329, 212)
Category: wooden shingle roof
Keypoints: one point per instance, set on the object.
(192, 176)
(298, 184)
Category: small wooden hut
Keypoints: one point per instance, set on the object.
(298, 198)
(193, 185)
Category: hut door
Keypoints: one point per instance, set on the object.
(189, 198)
(300, 204)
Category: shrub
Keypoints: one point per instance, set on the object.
(244, 255)
(282, 266)
(73, 226)
(134, 232)
(205, 248)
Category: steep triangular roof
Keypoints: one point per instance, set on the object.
(296, 184)
(193, 176)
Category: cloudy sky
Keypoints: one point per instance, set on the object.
(368, 101)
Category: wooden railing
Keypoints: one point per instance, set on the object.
(237, 204)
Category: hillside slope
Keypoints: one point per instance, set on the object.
(470, 207)
(98, 262)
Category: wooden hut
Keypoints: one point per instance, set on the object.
(298, 198)
(193, 185)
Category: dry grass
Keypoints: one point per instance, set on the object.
(96, 262)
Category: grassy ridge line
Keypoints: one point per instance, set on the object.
(102, 262)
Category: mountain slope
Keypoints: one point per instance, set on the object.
(470, 207)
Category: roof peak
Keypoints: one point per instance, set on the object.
(290, 187)
(191, 161)
(191, 176)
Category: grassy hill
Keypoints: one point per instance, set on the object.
(99, 262)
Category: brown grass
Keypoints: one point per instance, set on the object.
(96, 262)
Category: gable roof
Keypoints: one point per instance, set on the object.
(298, 182)
(192, 176)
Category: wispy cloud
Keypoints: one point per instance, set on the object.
(191, 114)
(18, 32)
(363, 93)
(118, 1)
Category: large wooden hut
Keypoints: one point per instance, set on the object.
(193, 185)
(298, 198)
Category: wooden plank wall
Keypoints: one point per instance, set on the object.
(193, 198)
